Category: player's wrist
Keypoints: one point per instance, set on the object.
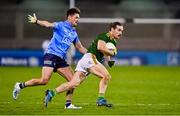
(36, 22)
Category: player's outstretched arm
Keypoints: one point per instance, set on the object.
(33, 19)
(80, 47)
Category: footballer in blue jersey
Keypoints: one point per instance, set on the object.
(64, 34)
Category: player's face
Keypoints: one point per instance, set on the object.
(117, 32)
(74, 19)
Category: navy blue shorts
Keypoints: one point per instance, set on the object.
(54, 61)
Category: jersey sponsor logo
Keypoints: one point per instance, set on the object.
(70, 33)
(66, 40)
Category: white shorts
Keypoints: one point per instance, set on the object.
(86, 62)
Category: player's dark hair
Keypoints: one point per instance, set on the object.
(73, 11)
(114, 25)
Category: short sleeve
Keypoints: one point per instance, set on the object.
(76, 40)
(102, 37)
(57, 25)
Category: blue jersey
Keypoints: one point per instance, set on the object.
(63, 35)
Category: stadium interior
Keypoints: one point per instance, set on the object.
(144, 79)
(17, 33)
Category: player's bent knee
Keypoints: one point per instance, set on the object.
(44, 81)
(107, 77)
(75, 84)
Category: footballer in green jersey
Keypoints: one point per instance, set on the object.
(91, 63)
(93, 47)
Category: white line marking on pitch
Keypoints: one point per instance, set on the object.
(138, 104)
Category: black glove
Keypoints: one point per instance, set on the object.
(111, 63)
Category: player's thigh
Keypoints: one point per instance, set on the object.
(78, 78)
(46, 73)
(66, 72)
(99, 70)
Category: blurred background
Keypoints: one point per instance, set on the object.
(151, 29)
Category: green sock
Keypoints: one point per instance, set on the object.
(54, 92)
(101, 96)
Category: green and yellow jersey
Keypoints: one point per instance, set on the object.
(93, 47)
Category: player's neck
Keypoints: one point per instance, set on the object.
(71, 24)
(110, 35)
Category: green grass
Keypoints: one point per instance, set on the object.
(132, 90)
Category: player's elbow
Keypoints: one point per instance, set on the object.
(48, 24)
(100, 48)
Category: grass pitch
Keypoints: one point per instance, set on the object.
(132, 90)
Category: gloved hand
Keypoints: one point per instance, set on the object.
(32, 19)
(111, 63)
